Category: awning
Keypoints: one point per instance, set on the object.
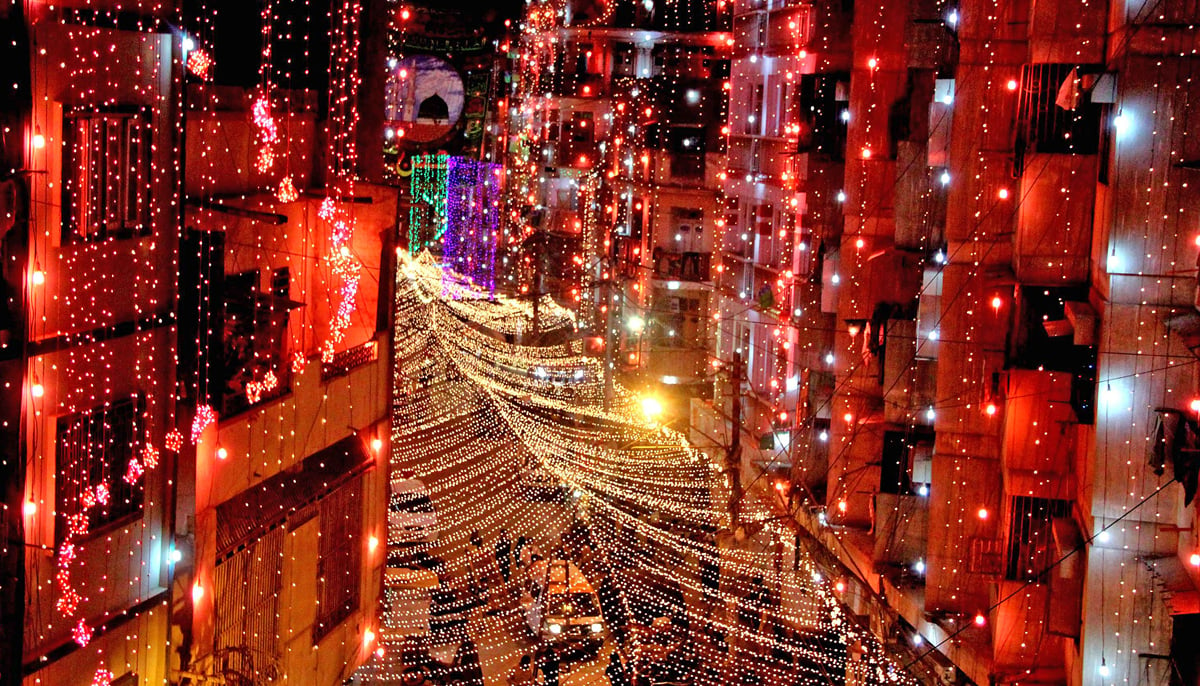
(249, 515)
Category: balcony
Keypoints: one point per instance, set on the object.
(683, 266)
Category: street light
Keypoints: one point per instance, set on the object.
(651, 407)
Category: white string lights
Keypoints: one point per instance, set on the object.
(479, 410)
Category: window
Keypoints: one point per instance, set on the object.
(246, 588)
(905, 463)
(581, 127)
(583, 52)
(624, 59)
(754, 115)
(1044, 124)
(105, 188)
(93, 452)
(679, 321)
(687, 151)
(255, 328)
(339, 566)
(1030, 522)
(1039, 341)
(821, 113)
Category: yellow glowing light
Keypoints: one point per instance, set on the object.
(651, 407)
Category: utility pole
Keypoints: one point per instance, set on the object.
(733, 457)
(537, 288)
(608, 337)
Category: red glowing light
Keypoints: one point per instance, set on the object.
(199, 64)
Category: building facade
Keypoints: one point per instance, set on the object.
(615, 161)
(958, 271)
(197, 380)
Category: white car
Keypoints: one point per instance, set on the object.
(562, 608)
(412, 520)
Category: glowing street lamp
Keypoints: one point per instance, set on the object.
(651, 407)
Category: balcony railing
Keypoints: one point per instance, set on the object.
(685, 266)
(345, 361)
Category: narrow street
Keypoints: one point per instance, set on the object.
(505, 455)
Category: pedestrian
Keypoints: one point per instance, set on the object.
(504, 553)
(549, 666)
(484, 572)
(529, 551)
(470, 672)
(616, 671)
(612, 607)
(517, 548)
(587, 561)
(523, 673)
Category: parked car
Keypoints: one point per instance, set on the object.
(412, 520)
(562, 608)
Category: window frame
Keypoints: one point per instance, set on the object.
(104, 518)
(78, 202)
(339, 554)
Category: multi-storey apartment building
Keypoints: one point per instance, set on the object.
(790, 89)
(619, 145)
(90, 244)
(196, 390)
(978, 333)
(288, 536)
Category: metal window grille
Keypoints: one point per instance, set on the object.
(93, 453)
